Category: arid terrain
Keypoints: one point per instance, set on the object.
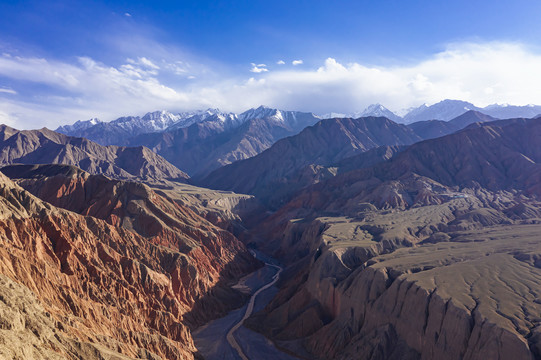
(383, 246)
(113, 270)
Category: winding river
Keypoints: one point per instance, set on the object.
(227, 338)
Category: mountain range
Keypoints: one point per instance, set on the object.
(328, 141)
(48, 147)
(381, 237)
(497, 156)
(202, 141)
(444, 110)
(207, 145)
(324, 150)
(417, 255)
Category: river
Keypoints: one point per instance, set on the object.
(227, 339)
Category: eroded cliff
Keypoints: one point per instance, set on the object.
(125, 272)
(456, 280)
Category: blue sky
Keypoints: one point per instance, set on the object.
(66, 60)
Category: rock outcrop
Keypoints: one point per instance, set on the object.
(368, 292)
(48, 147)
(433, 254)
(126, 273)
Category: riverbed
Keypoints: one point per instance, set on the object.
(211, 339)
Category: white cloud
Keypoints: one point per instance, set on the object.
(8, 91)
(88, 87)
(259, 68)
(6, 119)
(178, 67)
(148, 63)
(140, 67)
(482, 73)
(297, 62)
(280, 62)
(127, 14)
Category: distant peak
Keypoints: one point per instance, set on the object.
(453, 101)
(378, 110)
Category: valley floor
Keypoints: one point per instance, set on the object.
(211, 339)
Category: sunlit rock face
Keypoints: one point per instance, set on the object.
(122, 272)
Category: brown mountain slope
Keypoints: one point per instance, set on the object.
(498, 156)
(45, 146)
(472, 296)
(282, 190)
(204, 147)
(325, 143)
(433, 254)
(430, 129)
(131, 285)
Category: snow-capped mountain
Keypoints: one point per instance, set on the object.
(78, 125)
(214, 138)
(506, 111)
(117, 132)
(150, 122)
(121, 130)
(379, 110)
(450, 109)
(444, 110)
(292, 119)
(228, 119)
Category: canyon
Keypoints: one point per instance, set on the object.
(422, 256)
(115, 269)
(392, 241)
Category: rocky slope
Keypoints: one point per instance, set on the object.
(323, 144)
(125, 272)
(430, 129)
(45, 146)
(203, 147)
(436, 256)
(470, 297)
(498, 156)
(198, 142)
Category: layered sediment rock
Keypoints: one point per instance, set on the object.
(126, 274)
(446, 281)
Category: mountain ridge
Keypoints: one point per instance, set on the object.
(327, 141)
(45, 146)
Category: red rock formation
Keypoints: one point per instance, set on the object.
(108, 287)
